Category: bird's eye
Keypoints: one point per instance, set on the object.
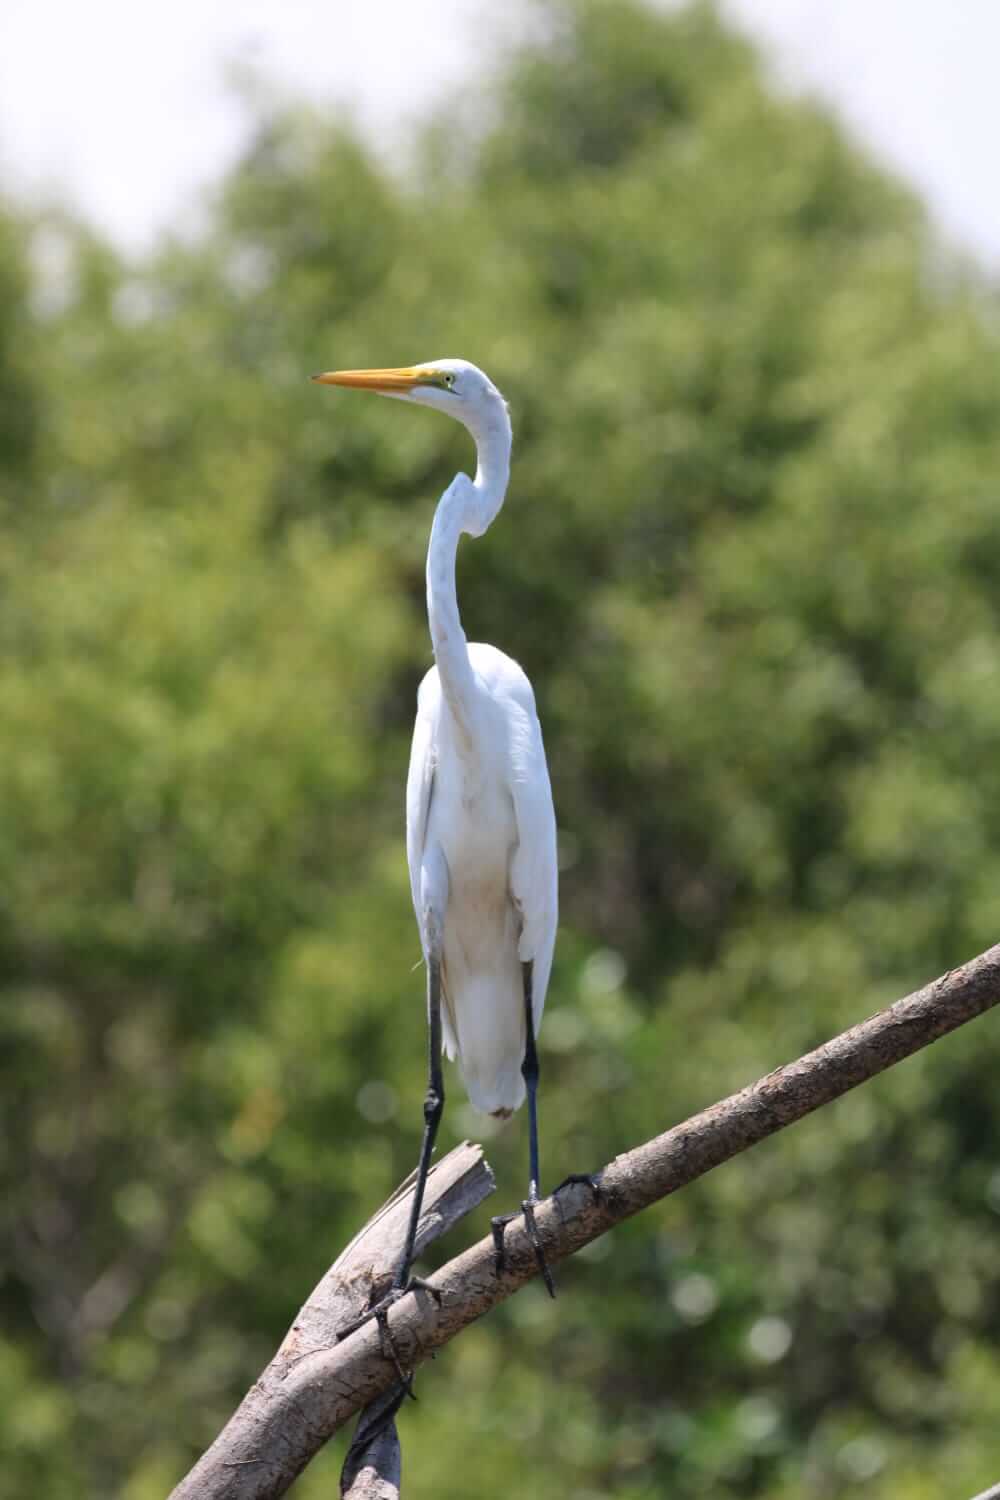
(449, 379)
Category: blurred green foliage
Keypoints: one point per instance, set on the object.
(751, 560)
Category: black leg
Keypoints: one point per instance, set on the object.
(530, 1072)
(433, 1110)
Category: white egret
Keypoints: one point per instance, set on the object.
(480, 825)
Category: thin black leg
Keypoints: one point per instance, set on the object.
(529, 1072)
(433, 1110)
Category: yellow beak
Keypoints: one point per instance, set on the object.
(380, 380)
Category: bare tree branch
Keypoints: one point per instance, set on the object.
(373, 1468)
(263, 1445)
(328, 1382)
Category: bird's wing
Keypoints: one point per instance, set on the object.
(419, 795)
(534, 878)
(420, 788)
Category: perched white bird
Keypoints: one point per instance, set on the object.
(480, 825)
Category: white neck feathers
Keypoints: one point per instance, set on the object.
(470, 506)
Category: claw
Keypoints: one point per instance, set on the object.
(388, 1346)
(373, 1312)
(588, 1179)
(418, 1284)
(528, 1209)
(415, 1284)
(499, 1224)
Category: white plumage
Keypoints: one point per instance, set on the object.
(480, 826)
(491, 817)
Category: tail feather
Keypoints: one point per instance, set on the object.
(483, 1028)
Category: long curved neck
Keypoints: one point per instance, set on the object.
(466, 505)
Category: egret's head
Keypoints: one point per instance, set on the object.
(451, 385)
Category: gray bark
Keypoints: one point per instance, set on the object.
(270, 1438)
(326, 1383)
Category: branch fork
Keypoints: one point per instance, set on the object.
(315, 1384)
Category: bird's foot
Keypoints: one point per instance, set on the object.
(380, 1312)
(389, 1351)
(587, 1179)
(499, 1225)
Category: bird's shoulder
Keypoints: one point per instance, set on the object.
(501, 675)
(498, 675)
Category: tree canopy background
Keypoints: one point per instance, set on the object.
(751, 561)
